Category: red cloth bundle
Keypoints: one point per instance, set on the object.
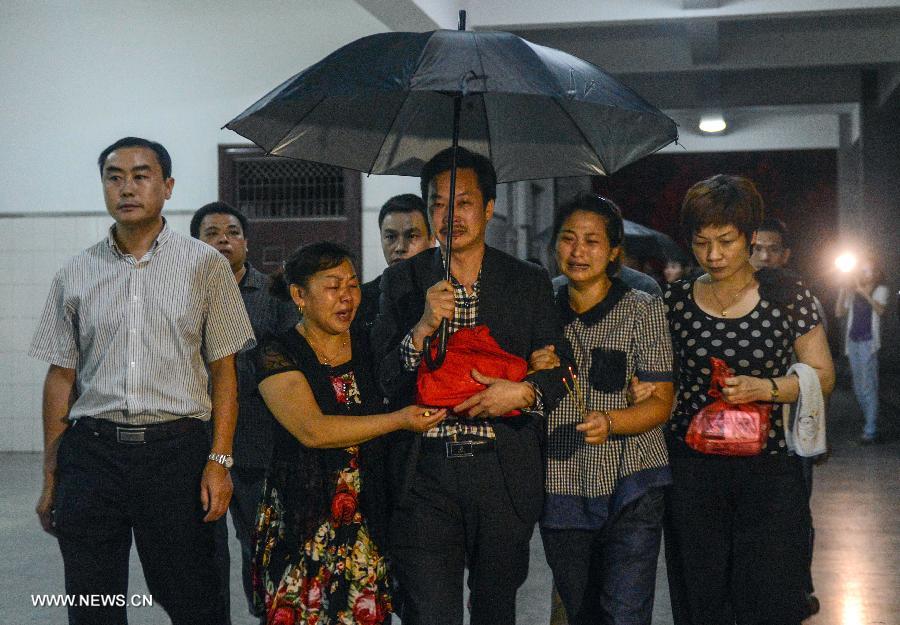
(728, 429)
(452, 383)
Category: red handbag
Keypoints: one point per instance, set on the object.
(452, 383)
(728, 429)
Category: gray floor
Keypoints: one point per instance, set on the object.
(856, 506)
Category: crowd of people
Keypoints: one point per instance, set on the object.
(184, 383)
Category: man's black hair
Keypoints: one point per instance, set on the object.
(773, 224)
(218, 208)
(162, 155)
(443, 160)
(406, 203)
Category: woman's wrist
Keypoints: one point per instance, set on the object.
(609, 422)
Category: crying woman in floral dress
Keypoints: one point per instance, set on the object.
(317, 558)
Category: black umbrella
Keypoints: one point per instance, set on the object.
(642, 241)
(388, 103)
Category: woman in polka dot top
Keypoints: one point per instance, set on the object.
(736, 526)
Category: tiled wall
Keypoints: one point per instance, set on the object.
(32, 249)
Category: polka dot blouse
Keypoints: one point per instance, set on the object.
(759, 344)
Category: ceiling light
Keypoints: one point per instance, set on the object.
(712, 122)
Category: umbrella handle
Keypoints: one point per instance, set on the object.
(437, 361)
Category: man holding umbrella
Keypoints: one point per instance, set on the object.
(469, 491)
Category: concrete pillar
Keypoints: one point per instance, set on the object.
(849, 180)
(880, 211)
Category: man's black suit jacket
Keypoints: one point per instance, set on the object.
(368, 304)
(516, 303)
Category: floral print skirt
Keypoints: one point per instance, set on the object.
(338, 577)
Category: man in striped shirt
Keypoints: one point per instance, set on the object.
(129, 329)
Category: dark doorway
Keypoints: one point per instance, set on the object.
(797, 186)
(290, 202)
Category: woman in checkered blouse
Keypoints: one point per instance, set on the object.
(606, 457)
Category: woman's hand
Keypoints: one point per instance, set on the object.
(742, 389)
(421, 419)
(595, 428)
(543, 358)
(639, 391)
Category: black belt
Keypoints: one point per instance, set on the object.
(138, 435)
(459, 448)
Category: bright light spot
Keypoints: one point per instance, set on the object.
(853, 611)
(712, 123)
(846, 262)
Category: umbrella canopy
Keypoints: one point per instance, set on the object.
(384, 104)
(388, 103)
(643, 241)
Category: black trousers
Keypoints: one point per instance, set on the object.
(456, 513)
(808, 464)
(737, 530)
(608, 576)
(248, 485)
(107, 491)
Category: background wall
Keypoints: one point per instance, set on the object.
(76, 76)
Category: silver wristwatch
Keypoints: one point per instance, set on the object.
(226, 460)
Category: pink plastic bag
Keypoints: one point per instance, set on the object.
(728, 429)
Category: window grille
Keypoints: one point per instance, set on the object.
(287, 189)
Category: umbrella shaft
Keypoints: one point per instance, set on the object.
(443, 331)
(451, 207)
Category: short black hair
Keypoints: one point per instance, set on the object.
(722, 200)
(303, 263)
(218, 208)
(443, 161)
(405, 203)
(607, 210)
(773, 224)
(162, 155)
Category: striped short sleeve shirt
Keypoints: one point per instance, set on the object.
(139, 332)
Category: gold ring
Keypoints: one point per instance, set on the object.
(427, 413)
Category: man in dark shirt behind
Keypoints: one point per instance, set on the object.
(405, 231)
(226, 229)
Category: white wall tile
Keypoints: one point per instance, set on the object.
(8, 260)
(40, 233)
(18, 237)
(45, 268)
(22, 403)
(8, 307)
(21, 337)
(23, 367)
(27, 301)
(6, 408)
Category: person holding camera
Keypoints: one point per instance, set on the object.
(863, 301)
